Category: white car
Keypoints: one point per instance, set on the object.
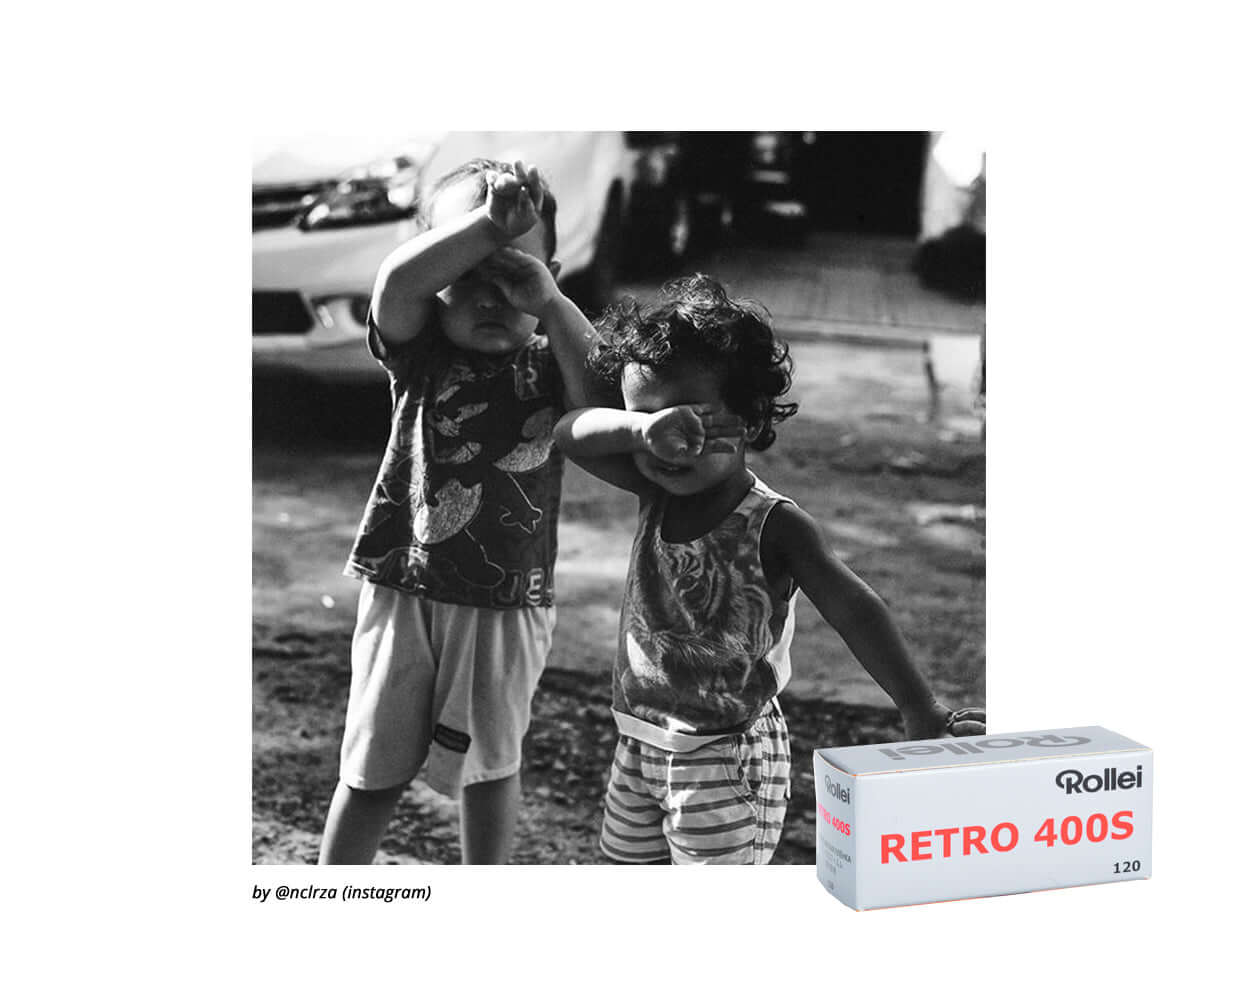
(328, 211)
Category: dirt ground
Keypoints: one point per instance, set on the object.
(903, 498)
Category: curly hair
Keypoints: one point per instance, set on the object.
(475, 172)
(695, 322)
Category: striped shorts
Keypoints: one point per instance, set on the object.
(722, 804)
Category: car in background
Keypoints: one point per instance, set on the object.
(327, 211)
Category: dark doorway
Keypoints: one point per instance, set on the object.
(865, 182)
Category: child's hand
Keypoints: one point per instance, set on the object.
(514, 200)
(681, 433)
(526, 282)
(937, 720)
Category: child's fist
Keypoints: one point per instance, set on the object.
(938, 721)
(514, 200)
(680, 434)
(525, 280)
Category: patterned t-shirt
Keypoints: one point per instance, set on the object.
(703, 638)
(465, 505)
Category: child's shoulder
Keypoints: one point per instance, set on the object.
(770, 497)
(786, 526)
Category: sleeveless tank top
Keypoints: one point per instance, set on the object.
(703, 638)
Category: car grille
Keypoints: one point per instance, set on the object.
(278, 205)
(280, 312)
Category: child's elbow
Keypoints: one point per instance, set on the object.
(383, 276)
(384, 293)
(563, 433)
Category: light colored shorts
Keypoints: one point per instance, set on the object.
(440, 685)
(722, 804)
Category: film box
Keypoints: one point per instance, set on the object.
(930, 820)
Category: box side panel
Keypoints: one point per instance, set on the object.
(924, 836)
(835, 853)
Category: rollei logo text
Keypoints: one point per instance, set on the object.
(1108, 781)
(836, 790)
(962, 748)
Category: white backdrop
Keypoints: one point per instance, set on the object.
(1111, 514)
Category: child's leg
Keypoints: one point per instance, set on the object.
(388, 723)
(355, 824)
(489, 665)
(489, 819)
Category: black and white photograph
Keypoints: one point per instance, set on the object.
(600, 477)
(678, 558)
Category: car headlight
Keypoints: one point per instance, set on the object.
(384, 191)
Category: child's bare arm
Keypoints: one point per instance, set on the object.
(414, 272)
(793, 542)
(603, 441)
(569, 333)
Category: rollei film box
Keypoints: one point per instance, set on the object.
(931, 820)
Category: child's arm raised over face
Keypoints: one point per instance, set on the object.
(411, 276)
(529, 285)
(603, 441)
(793, 545)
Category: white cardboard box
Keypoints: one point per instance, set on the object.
(931, 820)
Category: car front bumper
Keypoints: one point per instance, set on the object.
(304, 286)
